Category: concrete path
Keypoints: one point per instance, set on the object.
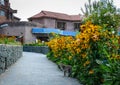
(35, 69)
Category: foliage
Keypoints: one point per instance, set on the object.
(93, 53)
(8, 40)
(84, 51)
(102, 13)
(58, 47)
(111, 72)
(37, 43)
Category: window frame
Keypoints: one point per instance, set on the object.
(77, 26)
(61, 25)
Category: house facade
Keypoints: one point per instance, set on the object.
(38, 26)
(21, 30)
(57, 20)
(6, 12)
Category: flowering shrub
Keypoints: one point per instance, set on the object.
(86, 52)
(93, 53)
(59, 48)
(8, 40)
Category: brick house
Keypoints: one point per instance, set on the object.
(57, 20)
(6, 12)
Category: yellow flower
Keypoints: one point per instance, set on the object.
(82, 28)
(84, 46)
(70, 57)
(83, 55)
(86, 63)
(55, 56)
(95, 37)
(78, 50)
(91, 71)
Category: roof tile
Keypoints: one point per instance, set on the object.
(56, 16)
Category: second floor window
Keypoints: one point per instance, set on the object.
(77, 26)
(2, 2)
(61, 25)
(2, 13)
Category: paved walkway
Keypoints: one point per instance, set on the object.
(35, 69)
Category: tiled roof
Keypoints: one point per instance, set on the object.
(56, 16)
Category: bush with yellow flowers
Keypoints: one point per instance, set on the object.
(93, 53)
(88, 53)
(104, 52)
(58, 46)
(97, 50)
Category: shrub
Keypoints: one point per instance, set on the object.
(8, 40)
(93, 53)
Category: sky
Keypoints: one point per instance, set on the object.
(28, 8)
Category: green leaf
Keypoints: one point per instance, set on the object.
(105, 68)
(108, 83)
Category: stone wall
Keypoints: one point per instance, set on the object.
(8, 55)
(37, 49)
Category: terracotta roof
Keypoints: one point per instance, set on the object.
(56, 16)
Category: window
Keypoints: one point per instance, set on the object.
(77, 26)
(61, 25)
(2, 2)
(2, 13)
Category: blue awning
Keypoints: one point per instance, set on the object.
(37, 30)
(45, 30)
(68, 33)
(50, 30)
